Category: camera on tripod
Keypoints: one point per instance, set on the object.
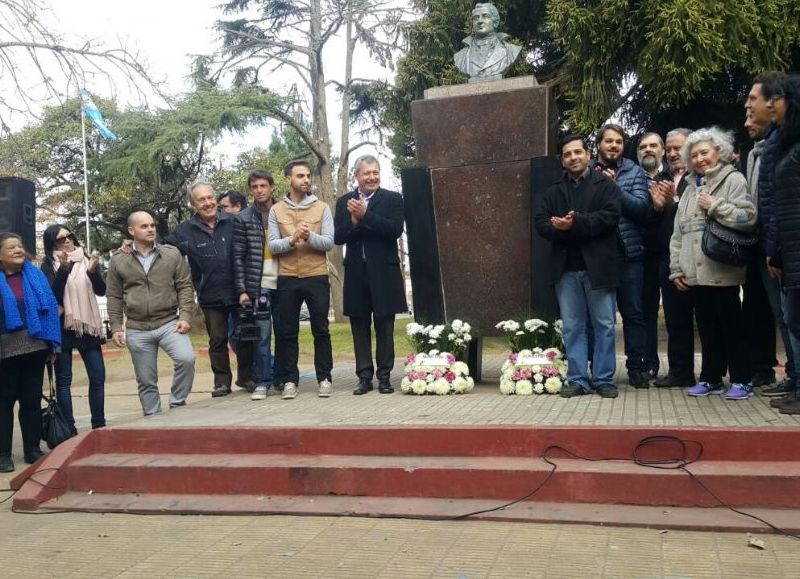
(250, 314)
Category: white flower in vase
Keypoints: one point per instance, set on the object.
(553, 385)
(460, 368)
(419, 386)
(524, 388)
(441, 387)
(507, 386)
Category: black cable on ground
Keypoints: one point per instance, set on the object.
(680, 462)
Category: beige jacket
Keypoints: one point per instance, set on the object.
(149, 300)
(733, 207)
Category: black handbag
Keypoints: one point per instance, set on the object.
(726, 245)
(55, 426)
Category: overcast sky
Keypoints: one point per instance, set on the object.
(167, 33)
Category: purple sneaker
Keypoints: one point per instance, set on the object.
(739, 392)
(705, 389)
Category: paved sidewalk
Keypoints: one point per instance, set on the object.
(84, 545)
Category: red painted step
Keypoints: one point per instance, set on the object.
(765, 484)
(171, 470)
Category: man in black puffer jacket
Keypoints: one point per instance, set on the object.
(785, 107)
(255, 276)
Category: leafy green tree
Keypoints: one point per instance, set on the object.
(296, 37)
(641, 57)
(157, 156)
(656, 65)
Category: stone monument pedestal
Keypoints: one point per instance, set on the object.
(483, 153)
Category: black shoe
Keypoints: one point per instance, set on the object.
(385, 387)
(173, 405)
(639, 379)
(572, 389)
(33, 455)
(248, 385)
(6, 464)
(609, 390)
(782, 388)
(783, 400)
(671, 381)
(363, 387)
(220, 391)
(763, 379)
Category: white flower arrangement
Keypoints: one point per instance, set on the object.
(452, 337)
(435, 372)
(532, 333)
(534, 371)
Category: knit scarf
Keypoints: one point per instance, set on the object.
(81, 312)
(41, 308)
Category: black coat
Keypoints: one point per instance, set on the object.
(209, 256)
(786, 205)
(597, 213)
(58, 282)
(248, 252)
(374, 244)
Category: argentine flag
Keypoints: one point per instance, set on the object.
(90, 110)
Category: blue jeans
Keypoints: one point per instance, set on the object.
(777, 299)
(630, 301)
(262, 365)
(96, 372)
(580, 305)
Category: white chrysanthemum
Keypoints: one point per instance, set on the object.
(459, 385)
(536, 369)
(460, 368)
(456, 325)
(538, 378)
(429, 387)
(535, 325)
(413, 329)
(466, 337)
(405, 385)
(429, 378)
(507, 386)
(441, 387)
(511, 326)
(525, 354)
(538, 388)
(524, 388)
(451, 336)
(436, 332)
(419, 386)
(433, 353)
(470, 384)
(465, 327)
(431, 341)
(536, 352)
(553, 385)
(427, 329)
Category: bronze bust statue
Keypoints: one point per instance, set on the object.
(487, 54)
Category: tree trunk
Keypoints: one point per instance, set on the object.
(319, 112)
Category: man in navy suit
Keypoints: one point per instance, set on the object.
(369, 221)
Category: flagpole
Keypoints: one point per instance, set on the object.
(85, 180)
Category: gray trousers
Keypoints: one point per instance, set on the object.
(143, 346)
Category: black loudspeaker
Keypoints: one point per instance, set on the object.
(18, 209)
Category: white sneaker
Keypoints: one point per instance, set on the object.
(325, 389)
(260, 393)
(289, 391)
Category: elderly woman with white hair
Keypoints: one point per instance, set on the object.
(716, 191)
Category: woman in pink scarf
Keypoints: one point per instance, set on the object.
(77, 281)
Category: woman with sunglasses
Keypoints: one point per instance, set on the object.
(29, 334)
(77, 281)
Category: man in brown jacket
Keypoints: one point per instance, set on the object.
(152, 287)
(300, 234)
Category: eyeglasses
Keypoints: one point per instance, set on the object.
(63, 239)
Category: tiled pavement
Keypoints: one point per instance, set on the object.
(82, 545)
